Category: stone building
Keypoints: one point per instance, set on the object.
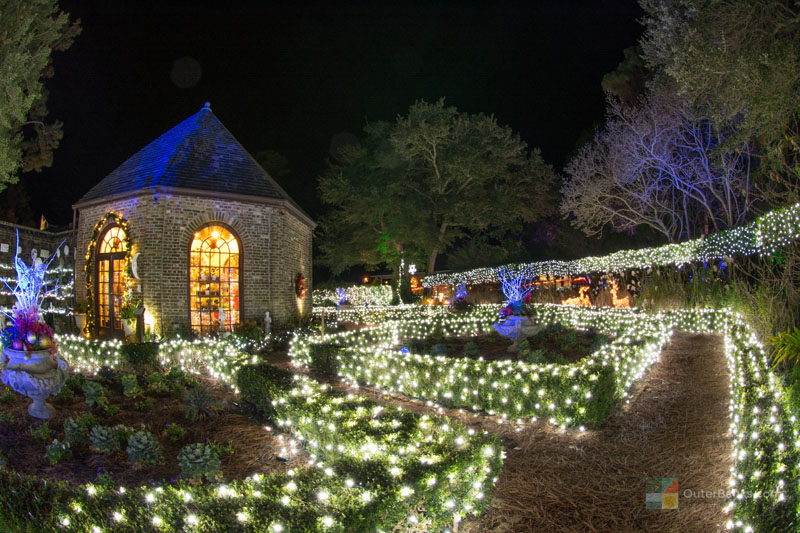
(197, 231)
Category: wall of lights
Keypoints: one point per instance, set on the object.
(764, 236)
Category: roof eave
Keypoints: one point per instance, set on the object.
(181, 191)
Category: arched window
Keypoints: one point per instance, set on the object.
(214, 279)
(111, 278)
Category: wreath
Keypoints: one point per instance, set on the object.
(300, 289)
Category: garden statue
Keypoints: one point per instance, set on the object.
(514, 323)
(342, 295)
(31, 364)
(267, 323)
(460, 302)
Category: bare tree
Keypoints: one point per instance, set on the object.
(662, 165)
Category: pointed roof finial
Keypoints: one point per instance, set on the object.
(207, 105)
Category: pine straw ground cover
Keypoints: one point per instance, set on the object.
(675, 424)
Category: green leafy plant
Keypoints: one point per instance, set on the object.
(76, 430)
(75, 382)
(42, 433)
(199, 402)
(223, 449)
(537, 357)
(786, 347)
(569, 340)
(107, 439)
(95, 394)
(175, 432)
(143, 448)
(324, 357)
(127, 310)
(65, 394)
(198, 461)
(130, 385)
(144, 404)
(7, 396)
(140, 355)
(57, 451)
(156, 383)
(523, 347)
(598, 341)
(6, 418)
(471, 349)
(175, 377)
(111, 410)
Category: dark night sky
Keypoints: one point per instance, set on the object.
(291, 76)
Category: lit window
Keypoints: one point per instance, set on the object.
(214, 279)
(111, 279)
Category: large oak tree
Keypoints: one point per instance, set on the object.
(415, 187)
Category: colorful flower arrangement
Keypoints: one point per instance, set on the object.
(27, 332)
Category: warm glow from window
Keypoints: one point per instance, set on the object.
(111, 279)
(113, 241)
(214, 278)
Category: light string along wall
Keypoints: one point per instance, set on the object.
(764, 236)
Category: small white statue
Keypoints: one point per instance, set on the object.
(267, 323)
(223, 318)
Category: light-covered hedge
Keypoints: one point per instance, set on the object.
(357, 295)
(374, 467)
(575, 394)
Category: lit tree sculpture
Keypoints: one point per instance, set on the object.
(514, 322)
(342, 295)
(31, 364)
(30, 289)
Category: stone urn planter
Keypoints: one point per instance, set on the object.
(129, 326)
(80, 320)
(516, 328)
(36, 375)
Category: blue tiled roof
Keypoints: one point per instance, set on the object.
(199, 153)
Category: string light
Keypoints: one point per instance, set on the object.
(764, 236)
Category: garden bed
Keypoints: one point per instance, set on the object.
(555, 344)
(162, 407)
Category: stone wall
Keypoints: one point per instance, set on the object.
(275, 246)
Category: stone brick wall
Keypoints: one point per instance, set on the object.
(275, 246)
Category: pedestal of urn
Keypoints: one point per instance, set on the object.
(36, 375)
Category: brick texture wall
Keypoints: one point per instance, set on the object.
(275, 246)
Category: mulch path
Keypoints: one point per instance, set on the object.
(675, 425)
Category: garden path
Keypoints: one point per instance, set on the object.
(675, 424)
